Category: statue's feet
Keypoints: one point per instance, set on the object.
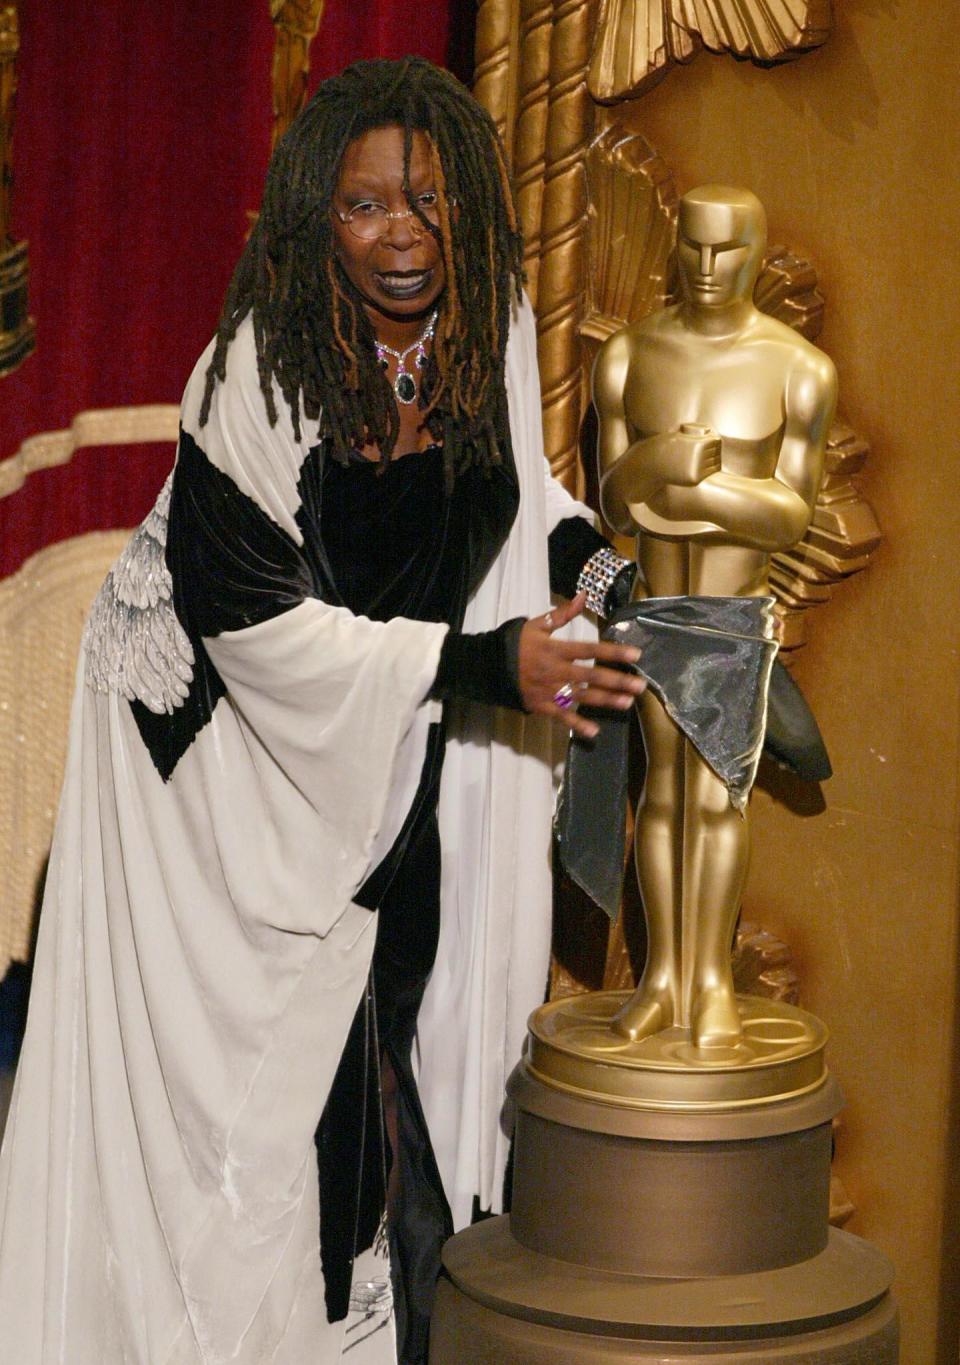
(715, 1020)
(648, 1011)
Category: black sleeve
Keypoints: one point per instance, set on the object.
(569, 545)
(482, 667)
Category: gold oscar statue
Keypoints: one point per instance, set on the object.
(671, 1159)
(713, 423)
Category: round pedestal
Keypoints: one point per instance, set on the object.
(669, 1203)
(503, 1304)
(654, 1193)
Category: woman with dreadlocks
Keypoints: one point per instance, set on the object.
(339, 592)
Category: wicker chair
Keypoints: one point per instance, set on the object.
(43, 607)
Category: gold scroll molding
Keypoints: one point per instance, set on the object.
(42, 610)
(95, 427)
(637, 41)
(631, 235)
(17, 333)
(296, 23)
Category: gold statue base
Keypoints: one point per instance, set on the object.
(573, 1048)
(17, 332)
(663, 1194)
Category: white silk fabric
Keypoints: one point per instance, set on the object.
(200, 957)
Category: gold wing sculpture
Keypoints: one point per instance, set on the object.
(638, 40)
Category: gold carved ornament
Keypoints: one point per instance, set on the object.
(639, 40)
(296, 23)
(17, 334)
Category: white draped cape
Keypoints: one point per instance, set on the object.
(200, 957)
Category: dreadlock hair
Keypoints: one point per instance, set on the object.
(312, 332)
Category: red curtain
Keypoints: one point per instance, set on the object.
(142, 136)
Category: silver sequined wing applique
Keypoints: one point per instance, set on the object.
(134, 643)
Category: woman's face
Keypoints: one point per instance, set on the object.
(400, 273)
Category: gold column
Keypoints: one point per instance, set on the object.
(530, 137)
(496, 64)
(17, 335)
(563, 249)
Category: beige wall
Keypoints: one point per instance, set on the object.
(855, 152)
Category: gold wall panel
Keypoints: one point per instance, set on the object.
(851, 151)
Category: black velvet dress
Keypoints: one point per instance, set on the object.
(397, 544)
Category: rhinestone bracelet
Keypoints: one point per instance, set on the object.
(597, 575)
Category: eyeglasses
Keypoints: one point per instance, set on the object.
(370, 220)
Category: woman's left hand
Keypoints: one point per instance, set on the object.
(553, 677)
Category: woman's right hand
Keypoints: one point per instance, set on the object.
(548, 668)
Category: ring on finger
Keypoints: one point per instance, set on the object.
(563, 697)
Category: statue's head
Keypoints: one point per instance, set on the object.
(721, 238)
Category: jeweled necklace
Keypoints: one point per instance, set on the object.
(405, 386)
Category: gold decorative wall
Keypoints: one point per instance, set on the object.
(851, 150)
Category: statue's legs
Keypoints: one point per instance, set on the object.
(658, 847)
(692, 850)
(716, 852)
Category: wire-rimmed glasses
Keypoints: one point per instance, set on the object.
(369, 219)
